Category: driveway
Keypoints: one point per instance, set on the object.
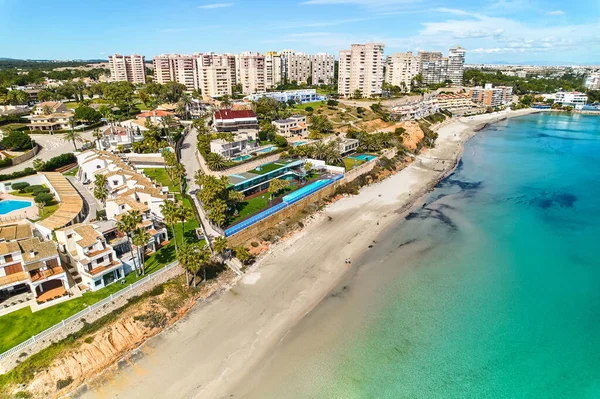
(50, 146)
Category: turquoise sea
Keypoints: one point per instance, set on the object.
(490, 290)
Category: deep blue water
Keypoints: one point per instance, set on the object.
(491, 290)
(9, 205)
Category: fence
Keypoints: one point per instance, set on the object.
(77, 316)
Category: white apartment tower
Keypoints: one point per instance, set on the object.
(273, 71)
(298, 67)
(400, 69)
(251, 72)
(456, 65)
(127, 68)
(361, 69)
(322, 68)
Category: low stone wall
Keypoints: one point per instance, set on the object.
(62, 332)
(25, 157)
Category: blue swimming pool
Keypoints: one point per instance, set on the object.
(9, 205)
(267, 149)
(241, 158)
(362, 157)
(304, 191)
(299, 143)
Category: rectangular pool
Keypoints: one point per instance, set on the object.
(299, 143)
(241, 158)
(362, 157)
(267, 149)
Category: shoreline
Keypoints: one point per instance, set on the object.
(216, 348)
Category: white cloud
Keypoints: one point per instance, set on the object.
(556, 12)
(215, 5)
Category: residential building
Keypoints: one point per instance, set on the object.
(425, 57)
(228, 120)
(489, 96)
(457, 103)
(29, 265)
(251, 72)
(127, 68)
(119, 138)
(592, 81)
(241, 144)
(273, 66)
(322, 68)
(94, 263)
(50, 116)
(573, 99)
(180, 68)
(216, 74)
(299, 96)
(298, 67)
(400, 69)
(348, 145)
(295, 125)
(361, 70)
(155, 116)
(456, 65)
(415, 108)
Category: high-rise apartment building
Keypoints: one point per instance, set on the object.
(273, 71)
(361, 70)
(251, 72)
(434, 68)
(180, 68)
(456, 65)
(322, 68)
(215, 74)
(298, 67)
(400, 69)
(127, 68)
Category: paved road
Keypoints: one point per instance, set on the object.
(51, 146)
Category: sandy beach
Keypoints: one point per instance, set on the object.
(218, 344)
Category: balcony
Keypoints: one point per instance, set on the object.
(40, 275)
(13, 279)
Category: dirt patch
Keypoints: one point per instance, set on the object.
(376, 125)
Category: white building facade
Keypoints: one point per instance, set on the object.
(361, 70)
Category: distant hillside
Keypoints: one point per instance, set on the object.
(10, 63)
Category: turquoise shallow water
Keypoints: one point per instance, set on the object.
(491, 290)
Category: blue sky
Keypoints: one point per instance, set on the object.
(516, 31)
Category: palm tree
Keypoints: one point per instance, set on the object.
(46, 109)
(167, 122)
(319, 150)
(140, 239)
(169, 211)
(128, 224)
(184, 102)
(38, 164)
(193, 257)
(97, 135)
(185, 257)
(220, 245)
(184, 214)
(73, 136)
(216, 161)
(101, 188)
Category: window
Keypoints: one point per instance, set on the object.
(69, 236)
(97, 283)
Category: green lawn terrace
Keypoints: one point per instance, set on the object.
(254, 184)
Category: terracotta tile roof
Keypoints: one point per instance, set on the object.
(70, 205)
(9, 247)
(41, 249)
(234, 114)
(159, 113)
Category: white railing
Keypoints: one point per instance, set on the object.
(86, 311)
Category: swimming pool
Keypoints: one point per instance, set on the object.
(362, 157)
(267, 149)
(306, 190)
(241, 158)
(299, 143)
(9, 205)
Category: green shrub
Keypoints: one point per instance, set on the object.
(41, 190)
(43, 197)
(16, 175)
(20, 186)
(17, 141)
(31, 189)
(6, 162)
(23, 395)
(59, 161)
(89, 340)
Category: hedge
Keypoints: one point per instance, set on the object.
(16, 175)
(20, 186)
(12, 118)
(59, 161)
(6, 162)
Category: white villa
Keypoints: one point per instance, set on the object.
(116, 137)
(295, 125)
(241, 144)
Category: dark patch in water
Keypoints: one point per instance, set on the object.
(462, 184)
(546, 200)
(405, 243)
(552, 136)
(437, 214)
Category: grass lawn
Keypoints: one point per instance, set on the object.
(351, 163)
(72, 172)
(256, 204)
(160, 176)
(266, 168)
(20, 325)
(14, 126)
(315, 105)
(71, 105)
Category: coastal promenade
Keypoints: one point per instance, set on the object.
(210, 353)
